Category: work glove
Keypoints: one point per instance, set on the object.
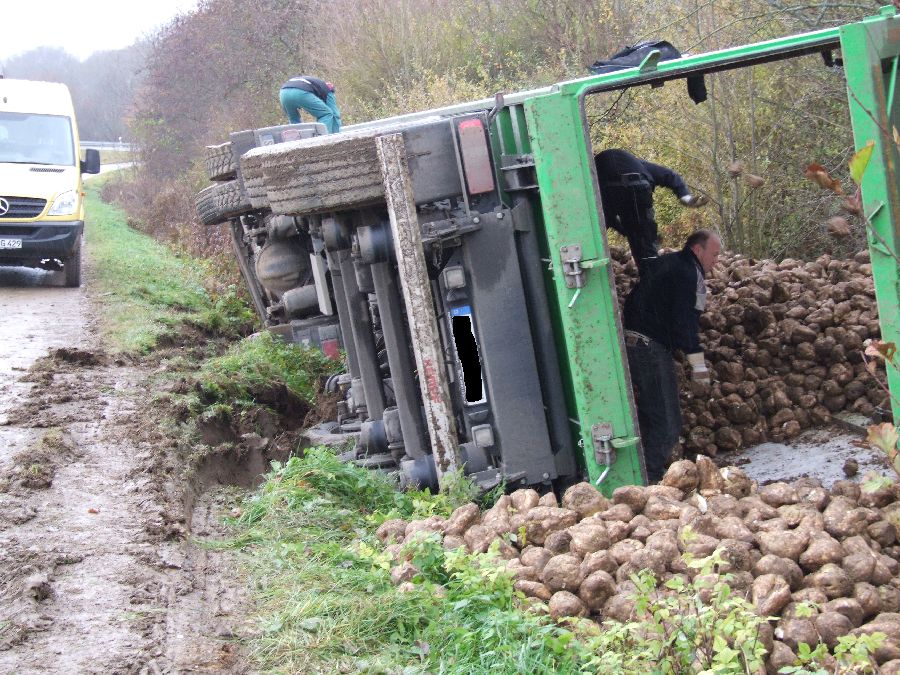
(699, 371)
(694, 201)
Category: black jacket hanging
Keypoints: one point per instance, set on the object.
(632, 56)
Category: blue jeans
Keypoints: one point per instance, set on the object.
(326, 112)
(655, 383)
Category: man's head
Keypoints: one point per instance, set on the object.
(706, 245)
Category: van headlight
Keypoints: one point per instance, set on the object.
(64, 204)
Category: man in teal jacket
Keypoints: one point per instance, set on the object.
(315, 96)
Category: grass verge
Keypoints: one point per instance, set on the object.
(116, 156)
(327, 603)
(147, 292)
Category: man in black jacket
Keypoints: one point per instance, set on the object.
(626, 191)
(315, 96)
(662, 314)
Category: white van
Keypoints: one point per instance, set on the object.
(41, 197)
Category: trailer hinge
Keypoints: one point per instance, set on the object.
(601, 438)
(604, 452)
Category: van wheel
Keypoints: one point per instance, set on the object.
(220, 202)
(220, 163)
(72, 268)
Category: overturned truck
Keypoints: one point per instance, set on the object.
(458, 257)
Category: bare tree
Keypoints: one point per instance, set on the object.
(102, 86)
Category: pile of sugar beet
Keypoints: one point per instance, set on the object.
(784, 341)
(823, 563)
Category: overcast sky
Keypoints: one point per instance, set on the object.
(82, 27)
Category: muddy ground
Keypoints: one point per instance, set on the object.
(101, 569)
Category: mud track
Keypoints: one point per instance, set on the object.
(102, 568)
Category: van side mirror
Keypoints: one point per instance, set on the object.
(91, 161)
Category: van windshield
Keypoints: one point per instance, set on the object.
(27, 138)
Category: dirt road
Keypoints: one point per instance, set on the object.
(97, 571)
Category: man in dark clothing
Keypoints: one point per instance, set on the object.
(626, 191)
(662, 314)
(315, 96)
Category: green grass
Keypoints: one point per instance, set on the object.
(254, 364)
(116, 156)
(147, 292)
(326, 602)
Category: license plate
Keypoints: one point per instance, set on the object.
(10, 243)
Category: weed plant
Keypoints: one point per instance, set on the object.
(256, 364)
(696, 626)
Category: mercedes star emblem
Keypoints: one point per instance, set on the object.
(4, 206)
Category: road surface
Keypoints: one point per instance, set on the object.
(97, 574)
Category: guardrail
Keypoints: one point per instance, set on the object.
(108, 145)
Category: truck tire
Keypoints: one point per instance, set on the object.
(220, 162)
(72, 268)
(220, 202)
(253, 178)
(255, 188)
(339, 171)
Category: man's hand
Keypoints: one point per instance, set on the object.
(699, 371)
(694, 201)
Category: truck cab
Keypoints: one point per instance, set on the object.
(41, 197)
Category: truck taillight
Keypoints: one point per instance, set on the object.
(475, 156)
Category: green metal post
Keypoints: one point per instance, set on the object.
(870, 49)
(589, 323)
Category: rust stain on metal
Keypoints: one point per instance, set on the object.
(433, 385)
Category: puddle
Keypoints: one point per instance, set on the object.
(816, 453)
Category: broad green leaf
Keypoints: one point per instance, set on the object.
(860, 161)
